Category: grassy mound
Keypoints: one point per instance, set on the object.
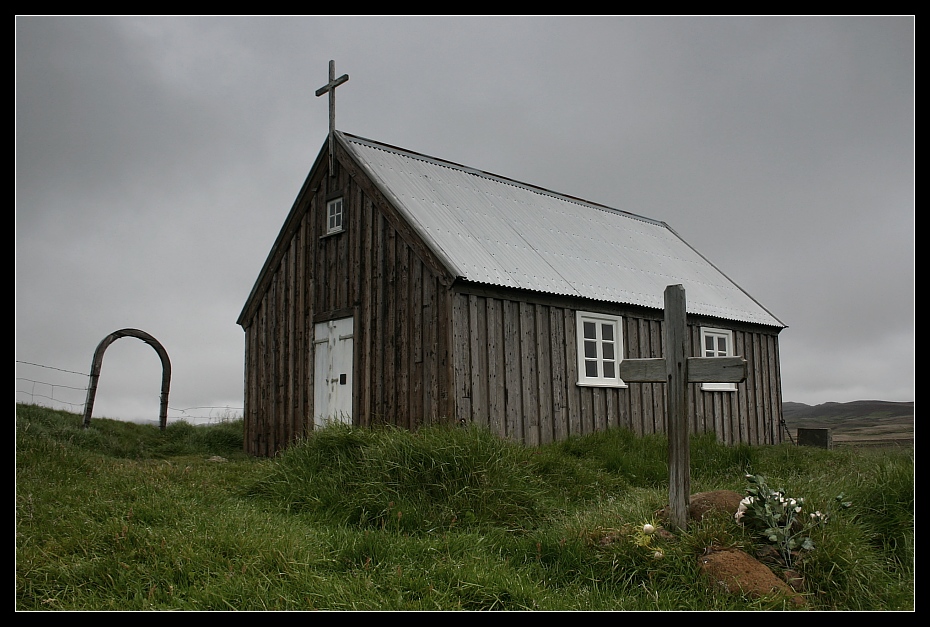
(435, 478)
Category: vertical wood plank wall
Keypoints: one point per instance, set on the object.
(401, 311)
(427, 352)
(515, 372)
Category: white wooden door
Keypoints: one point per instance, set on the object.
(332, 374)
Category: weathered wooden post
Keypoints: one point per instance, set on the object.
(677, 370)
(676, 366)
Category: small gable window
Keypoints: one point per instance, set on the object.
(717, 343)
(335, 216)
(600, 349)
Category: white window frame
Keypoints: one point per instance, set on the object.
(716, 335)
(597, 346)
(335, 216)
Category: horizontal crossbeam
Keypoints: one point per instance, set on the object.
(332, 84)
(700, 370)
(717, 369)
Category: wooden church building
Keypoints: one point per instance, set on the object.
(407, 290)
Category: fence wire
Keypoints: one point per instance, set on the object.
(61, 397)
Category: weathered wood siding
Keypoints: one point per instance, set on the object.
(278, 349)
(428, 349)
(402, 334)
(515, 370)
(373, 271)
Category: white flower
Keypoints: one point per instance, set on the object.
(797, 510)
(648, 529)
(658, 555)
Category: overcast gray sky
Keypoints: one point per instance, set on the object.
(156, 160)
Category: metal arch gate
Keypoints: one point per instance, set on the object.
(98, 362)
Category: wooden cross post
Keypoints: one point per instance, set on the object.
(330, 87)
(677, 370)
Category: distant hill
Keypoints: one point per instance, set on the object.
(855, 422)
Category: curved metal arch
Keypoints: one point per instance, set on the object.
(98, 362)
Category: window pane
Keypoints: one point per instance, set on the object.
(722, 346)
(590, 368)
(590, 349)
(709, 345)
(334, 215)
(600, 349)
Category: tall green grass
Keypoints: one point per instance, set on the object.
(434, 479)
(126, 517)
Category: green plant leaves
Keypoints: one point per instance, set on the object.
(777, 518)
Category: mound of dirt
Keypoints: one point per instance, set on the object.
(732, 569)
(700, 504)
(739, 572)
(726, 501)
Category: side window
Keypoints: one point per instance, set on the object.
(334, 216)
(717, 343)
(600, 349)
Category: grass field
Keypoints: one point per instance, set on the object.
(123, 516)
(873, 424)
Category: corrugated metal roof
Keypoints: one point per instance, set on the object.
(489, 229)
